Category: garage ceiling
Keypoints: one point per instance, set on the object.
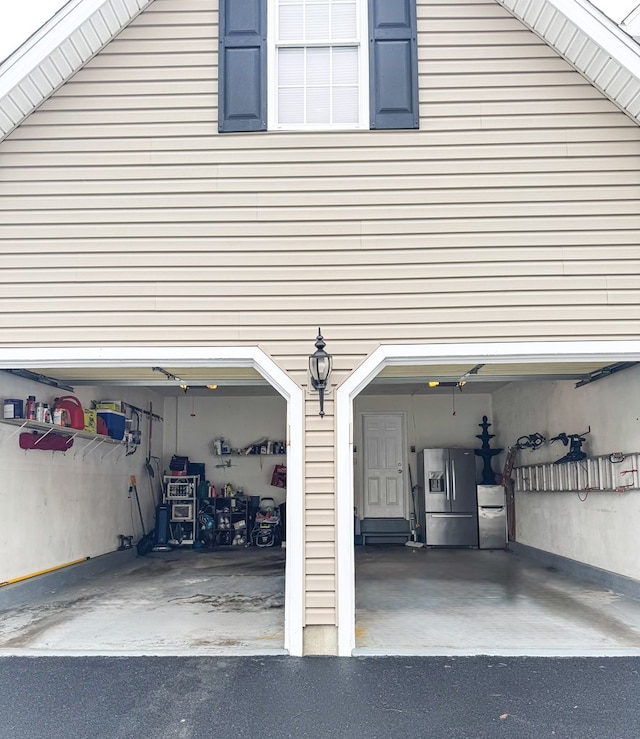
(167, 380)
(392, 380)
(482, 378)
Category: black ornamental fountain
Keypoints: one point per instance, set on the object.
(488, 475)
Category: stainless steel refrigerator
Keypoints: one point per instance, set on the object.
(449, 506)
(492, 517)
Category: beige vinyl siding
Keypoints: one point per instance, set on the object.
(320, 517)
(513, 213)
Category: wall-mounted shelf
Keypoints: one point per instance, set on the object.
(240, 454)
(95, 440)
(262, 448)
(591, 474)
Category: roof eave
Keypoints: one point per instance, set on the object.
(579, 32)
(631, 24)
(75, 34)
(593, 44)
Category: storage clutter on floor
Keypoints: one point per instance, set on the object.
(195, 513)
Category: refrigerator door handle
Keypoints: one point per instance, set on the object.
(451, 515)
(453, 479)
(447, 483)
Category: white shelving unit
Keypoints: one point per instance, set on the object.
(590, 474)
(181, 495)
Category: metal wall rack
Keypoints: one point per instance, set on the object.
(603, 473)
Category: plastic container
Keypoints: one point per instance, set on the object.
(30, 408)
(115, 422)
(71, 404)
(43, 413)
(13, 408)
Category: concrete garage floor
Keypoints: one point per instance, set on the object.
(230, 602)
(183, 602)
(467, 602)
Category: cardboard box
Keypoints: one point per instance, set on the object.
(110, 405)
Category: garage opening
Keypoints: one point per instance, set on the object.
(496, 498)
(162, 503)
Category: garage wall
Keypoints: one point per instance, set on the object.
(430, 422)
(240, 421)
(602, 530)
(58, 507)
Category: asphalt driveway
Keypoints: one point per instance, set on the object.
(359, 698)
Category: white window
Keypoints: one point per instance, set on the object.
(318, 64)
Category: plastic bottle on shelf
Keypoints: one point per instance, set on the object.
(30, 410)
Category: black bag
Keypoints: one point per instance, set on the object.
(146, 544)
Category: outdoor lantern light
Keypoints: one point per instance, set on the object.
(320, 364)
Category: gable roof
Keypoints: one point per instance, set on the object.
(594, 45)
(75, 34)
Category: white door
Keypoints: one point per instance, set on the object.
(383, 473)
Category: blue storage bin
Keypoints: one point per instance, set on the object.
(115, 422)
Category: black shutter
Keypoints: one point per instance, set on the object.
(242, 65)
(393, 64)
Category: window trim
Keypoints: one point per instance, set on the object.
(363, 72)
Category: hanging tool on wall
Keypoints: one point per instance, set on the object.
(575, 442)
(133, 489)
(133, 434)
(531, 441)
(148, 461)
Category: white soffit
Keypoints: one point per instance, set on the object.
(75, 34)
(590, 42)
(631, 24)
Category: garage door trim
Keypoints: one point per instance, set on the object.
(399, 354)
(219, 356)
